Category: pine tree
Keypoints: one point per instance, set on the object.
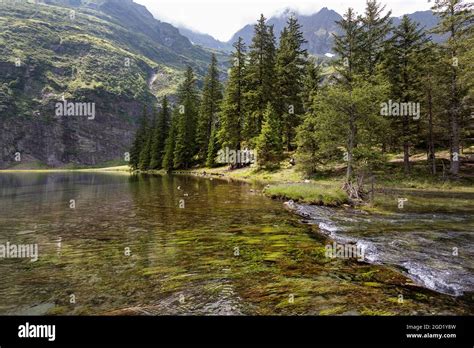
(213, 148)
(170, 144)
(290, 70)
(348, 47)
(373, 39)
(434, 89)
(350, 108)
(185, 143)
(312, 81)
(467, 81)
(327, 133)
(160, 133)
(269, 144)
(209, 108)
(232, 115)
(405, 74)
(456, 19)
(467, 58)
(145, 153)
(308, 156)
(260, 77)
(139, 141)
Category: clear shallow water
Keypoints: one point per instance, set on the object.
(228, 250)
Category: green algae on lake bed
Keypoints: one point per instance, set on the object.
(227, 251)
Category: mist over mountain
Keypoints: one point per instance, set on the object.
(205, 40)
(318, 30)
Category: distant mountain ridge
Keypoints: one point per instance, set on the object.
(205, 40)
(318, 30)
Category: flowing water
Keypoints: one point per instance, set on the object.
(433, 249)
(112, 244)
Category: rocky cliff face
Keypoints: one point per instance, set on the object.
(99, 53)
(54, 141)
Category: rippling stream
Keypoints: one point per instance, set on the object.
(433, 249)
(113, 244)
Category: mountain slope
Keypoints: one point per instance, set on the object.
(110, 53)
(205, 40)
(426, 19)
(164, 42)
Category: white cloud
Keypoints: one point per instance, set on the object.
(222, 18)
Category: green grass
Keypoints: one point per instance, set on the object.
(309, 193)
(424, 181)
(285, 183)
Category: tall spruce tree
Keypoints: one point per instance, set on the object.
(160, 133)
(467, 80)
(374, 37)
(433, 89)
(349, 110)
(209, 108)
(170, 144)
(145, 153)
(260, 77)
(312, 81)
(213, 148)
(188, 101)
(467, 58)
(456, 18)
(405, 72)
(269, 144)
(348, 47)
(232, 113)
(139, 141)
(290, 70)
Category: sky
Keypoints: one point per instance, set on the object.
(223, 18)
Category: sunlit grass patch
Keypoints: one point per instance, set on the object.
(309, 193)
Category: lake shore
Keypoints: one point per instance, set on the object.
(287, 183)
(114, 169)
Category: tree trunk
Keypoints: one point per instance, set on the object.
(454, 107)
(406, 145)
(350, 146)
(431, 147)
(454, 169)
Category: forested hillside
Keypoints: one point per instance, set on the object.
(407, 94)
